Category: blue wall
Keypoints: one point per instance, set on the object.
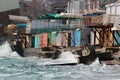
(76, 38)
(36, 41)
(117, 37)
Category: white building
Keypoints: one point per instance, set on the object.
(76, 6)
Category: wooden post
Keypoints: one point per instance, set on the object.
(94, 37)
(105, 36)
(110, 37)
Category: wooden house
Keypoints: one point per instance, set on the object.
(101, 24)
(113, 17)
(105, 32)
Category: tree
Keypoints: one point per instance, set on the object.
(36, 8)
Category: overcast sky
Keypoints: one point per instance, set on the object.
(8, 4)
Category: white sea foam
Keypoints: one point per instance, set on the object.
(65, 58)
(6, 51)
(96, 62)
(27, 69)
(69, 56)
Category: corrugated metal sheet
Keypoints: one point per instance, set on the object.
(49, 38)
(43, 26)
(53, 40)
(30, 41)
(36, 41)
(62, 39)
(85, 36)
(65, 39)
(59, 39)
(92, 38)
(75, 38)
(43, 40)
(117, 38)
(33, 41)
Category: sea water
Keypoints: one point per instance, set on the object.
(14, 67)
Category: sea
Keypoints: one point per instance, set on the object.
(14, 67)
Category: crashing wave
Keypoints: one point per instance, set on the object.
(6, 51)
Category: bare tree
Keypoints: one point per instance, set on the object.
(32, 9)
(36, 8)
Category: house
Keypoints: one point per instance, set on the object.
(94, 19)
(112, 16)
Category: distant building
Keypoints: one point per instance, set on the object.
(99, 4)
(104, 2)
(87, 7)
(76, 6)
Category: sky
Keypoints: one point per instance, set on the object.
(8, 4)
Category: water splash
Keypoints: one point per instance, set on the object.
(66, 58)
(27, 69)
(96, 62)
(69, 56)
(6, 51)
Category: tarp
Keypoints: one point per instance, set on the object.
(62, 39)
(19, 18)
(71, 15)
(58, 16)
(53, 38)
(116, 38)
(47, 16)
(21, 25)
